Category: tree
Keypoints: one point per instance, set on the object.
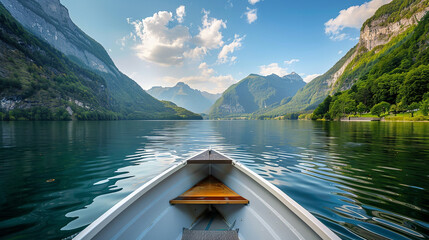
(415, 84)
(413, 107)
(393, 109)
(424, 107)
(361, 108)
(322, 109)
(401, 107)
(380, 108)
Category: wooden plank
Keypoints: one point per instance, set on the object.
(209, 191)
(209, 156)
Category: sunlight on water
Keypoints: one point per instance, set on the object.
(363, 180)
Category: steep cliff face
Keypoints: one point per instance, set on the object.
(377, 32)
(47, 23)
(50, 21)
(388, 26)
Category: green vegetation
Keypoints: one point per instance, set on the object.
(312, 94)
(397, 10)
(395, 79)
(37, 82)
(255, 95)
(182, 113)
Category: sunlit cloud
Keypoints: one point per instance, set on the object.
(251, 15)
(352, 17)
(272, 68)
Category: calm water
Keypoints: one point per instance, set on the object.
(365, 180)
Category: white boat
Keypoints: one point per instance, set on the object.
(208, 196)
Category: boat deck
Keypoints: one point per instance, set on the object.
(211, 226)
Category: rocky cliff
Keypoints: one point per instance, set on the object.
(390, 22)
(50, 21)
(50, 45)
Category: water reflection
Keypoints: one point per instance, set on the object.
(361, 179)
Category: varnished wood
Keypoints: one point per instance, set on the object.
(209, 191)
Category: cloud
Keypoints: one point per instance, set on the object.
(205, 70)
(341, 51)
(251, 15)
(253, 2)
(210, 36)
(158, 43)
(289, 62)
(230, 48)
(308, 78)
(352, 17)
(272, 68)
(206, 80)
(195, 53)
(122, 42)
(180, 13)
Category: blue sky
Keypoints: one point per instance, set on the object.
(211, 44)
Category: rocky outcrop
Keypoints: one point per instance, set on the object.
(375, 34)
(378, 33)
(50, 21)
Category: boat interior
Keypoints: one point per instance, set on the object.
(211, 224)
(206, 197)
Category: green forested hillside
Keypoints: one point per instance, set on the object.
(397, 73)
(256, 94)
(308, 97)
(38, 82)
(184, 96)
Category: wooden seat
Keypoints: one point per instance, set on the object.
(209, 191)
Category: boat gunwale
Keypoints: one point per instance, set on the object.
(96, 226)
(321, 229)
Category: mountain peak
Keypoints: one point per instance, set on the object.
(181, 84)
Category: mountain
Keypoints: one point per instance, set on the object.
(386, 30)
(256, 94)
(390, 66)
(62, 40)
(184, 96)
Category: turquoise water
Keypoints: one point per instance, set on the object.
(362, 179)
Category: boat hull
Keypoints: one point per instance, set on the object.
(147, 213)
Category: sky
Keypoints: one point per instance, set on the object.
(212, 44)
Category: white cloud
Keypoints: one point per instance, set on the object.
(180, 12)
(195, 53)
(253, 2)
(341, 51)
(124, 40)
(352, 17)
(272, 68)
(205, 80)
(251, 15)
(159, 43)
(230, 48)
(308, 78)
(210, 36)
(205, 70)
(289, 62)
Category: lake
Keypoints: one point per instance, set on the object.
(361, 179)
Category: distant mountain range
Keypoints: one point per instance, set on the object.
(256, 94)
(49, 63)
(185, 96)
(389, 29)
